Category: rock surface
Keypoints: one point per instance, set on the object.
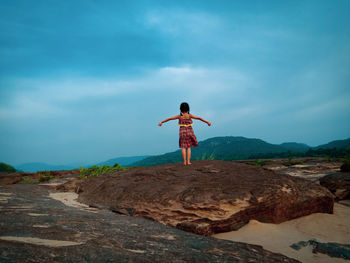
(14, 178)
(36, 228)
(332, 249)
(338, 184)
(308, 168)
(70, 186)
(345, 167)
(207, 197)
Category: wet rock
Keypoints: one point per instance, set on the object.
(206, 197)
(36, 228)
(331, 249)
(338, 184)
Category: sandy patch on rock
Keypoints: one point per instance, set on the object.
(279, 237)
(56, 182)
(41, 226)
(35, 214)
(7, 194)
(136, 251)
(4, 197)
(4, 200)
(70, 199)
(40, 241)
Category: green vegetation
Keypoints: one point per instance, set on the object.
(7, 168)
(330, 153)
(28, 180)
(45, 176)
(39, 177)
(292, 162)
(99, 170)
(259, 162)
(206, 156)
(339, 144)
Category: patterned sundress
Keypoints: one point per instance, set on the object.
(187, 138)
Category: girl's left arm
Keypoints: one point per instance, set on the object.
(169, 119)
(201, 119)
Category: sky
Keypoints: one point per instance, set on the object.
(85, 81)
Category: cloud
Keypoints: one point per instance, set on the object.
(109, 70)
(23, 108)
(324, 110)
(176, 22)
(43, 97)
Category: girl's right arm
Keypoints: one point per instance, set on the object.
(169, 119)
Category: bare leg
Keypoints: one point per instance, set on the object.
(183, 151)
(189, 155)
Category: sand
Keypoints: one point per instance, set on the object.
(40, 241)
(279, 237)
(70, 199)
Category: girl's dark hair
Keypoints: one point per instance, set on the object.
(184, 107)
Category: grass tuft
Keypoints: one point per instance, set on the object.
(99, 170)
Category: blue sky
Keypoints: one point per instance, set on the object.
(85, 81)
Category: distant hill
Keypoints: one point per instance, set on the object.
(224, 148)
(124, 161)
(6, 168)
(295, 147)
(35, 167)
(238, 148)
(338, 144)
(218, 148)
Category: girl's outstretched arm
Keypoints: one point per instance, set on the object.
(169, 119)
(201, 119)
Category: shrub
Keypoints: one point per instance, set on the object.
(259, 162)
(99, 170)
(27, 180)
(45, 176)
(7, 168)
(292, 162)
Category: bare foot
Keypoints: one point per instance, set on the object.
(189, 163)
(185, 163)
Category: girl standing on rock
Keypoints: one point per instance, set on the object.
(187, 137)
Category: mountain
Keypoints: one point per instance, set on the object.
(35, 167)
(233, 147)
(338, 144)
(6, 168)
(224, 148)
(295, 147)
(238, 148)
(218, 148)
(124, 161)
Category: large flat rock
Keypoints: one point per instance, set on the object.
(206, 197)
(36, 228)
